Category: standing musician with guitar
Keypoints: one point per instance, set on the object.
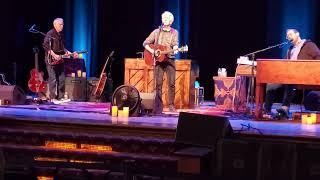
(164, 36)
(54, 50)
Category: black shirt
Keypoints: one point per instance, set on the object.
(57, 42)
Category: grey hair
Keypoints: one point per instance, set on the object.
(57, 20)
(169, 14)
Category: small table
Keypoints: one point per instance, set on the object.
(230, 95)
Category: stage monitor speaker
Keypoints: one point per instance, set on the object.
(201, 129)
(12, 95)
(147, 100)
(76, 88)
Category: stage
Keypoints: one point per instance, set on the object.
(89, 114)
(49, 139)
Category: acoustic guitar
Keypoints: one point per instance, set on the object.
(36, 83)
(63, 55)
(102, 80)
(160, 53)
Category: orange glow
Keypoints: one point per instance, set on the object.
(60, 145)
(73, 146)
(44, 177)
(96, 148)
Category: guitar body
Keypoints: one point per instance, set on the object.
(100, 86)
(148, 57)
(53, 61)
(36, 83)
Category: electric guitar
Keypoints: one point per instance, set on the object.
(63, 55)
(160, 53)
(36, 83)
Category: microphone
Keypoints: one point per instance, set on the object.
(32, 28)
(289, 39)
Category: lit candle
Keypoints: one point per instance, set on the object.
(125, 111)
(73, 75)
(114, 111)
(304, 119)
(79, 73)
(0, 102)
(309, 120)
(84, 74)
(313, 118)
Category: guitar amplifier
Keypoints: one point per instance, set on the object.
(76, 87)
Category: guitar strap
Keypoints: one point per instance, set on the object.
(158, 36)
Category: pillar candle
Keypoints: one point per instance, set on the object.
(79, 73)
(125, 111)
(114, 111)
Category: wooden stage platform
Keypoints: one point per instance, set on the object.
(50, 139)
(96, 116)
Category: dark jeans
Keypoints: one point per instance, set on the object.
(168, 67)
(56, 79)
(271, 92)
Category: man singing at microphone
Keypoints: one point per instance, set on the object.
(167, 36)
(300, 49)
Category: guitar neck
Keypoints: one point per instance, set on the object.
(167, 52)
(36, 61)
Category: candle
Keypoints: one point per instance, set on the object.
(309, 120)
(304, 119)
(313, 117)
(120, 113)
(73, 75)
(125, 111)
(114, 111)
(0, 102)
(84, 74)
(79, 73)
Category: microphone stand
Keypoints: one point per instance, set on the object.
(32, 30)
(250, 92)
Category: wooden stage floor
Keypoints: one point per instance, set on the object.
(97, 114)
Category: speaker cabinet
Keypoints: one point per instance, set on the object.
(76, 88)
(12, 95)
(147, 101)
(201, 129)
(237, 159)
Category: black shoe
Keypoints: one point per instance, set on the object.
(172, 108)
(282, 114)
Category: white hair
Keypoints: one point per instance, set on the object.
(168, 14)
(56, 20)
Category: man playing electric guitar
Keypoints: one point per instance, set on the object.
(54, 43)
(168, 37)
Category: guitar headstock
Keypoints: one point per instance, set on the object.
(82, 52)
(184, 48)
